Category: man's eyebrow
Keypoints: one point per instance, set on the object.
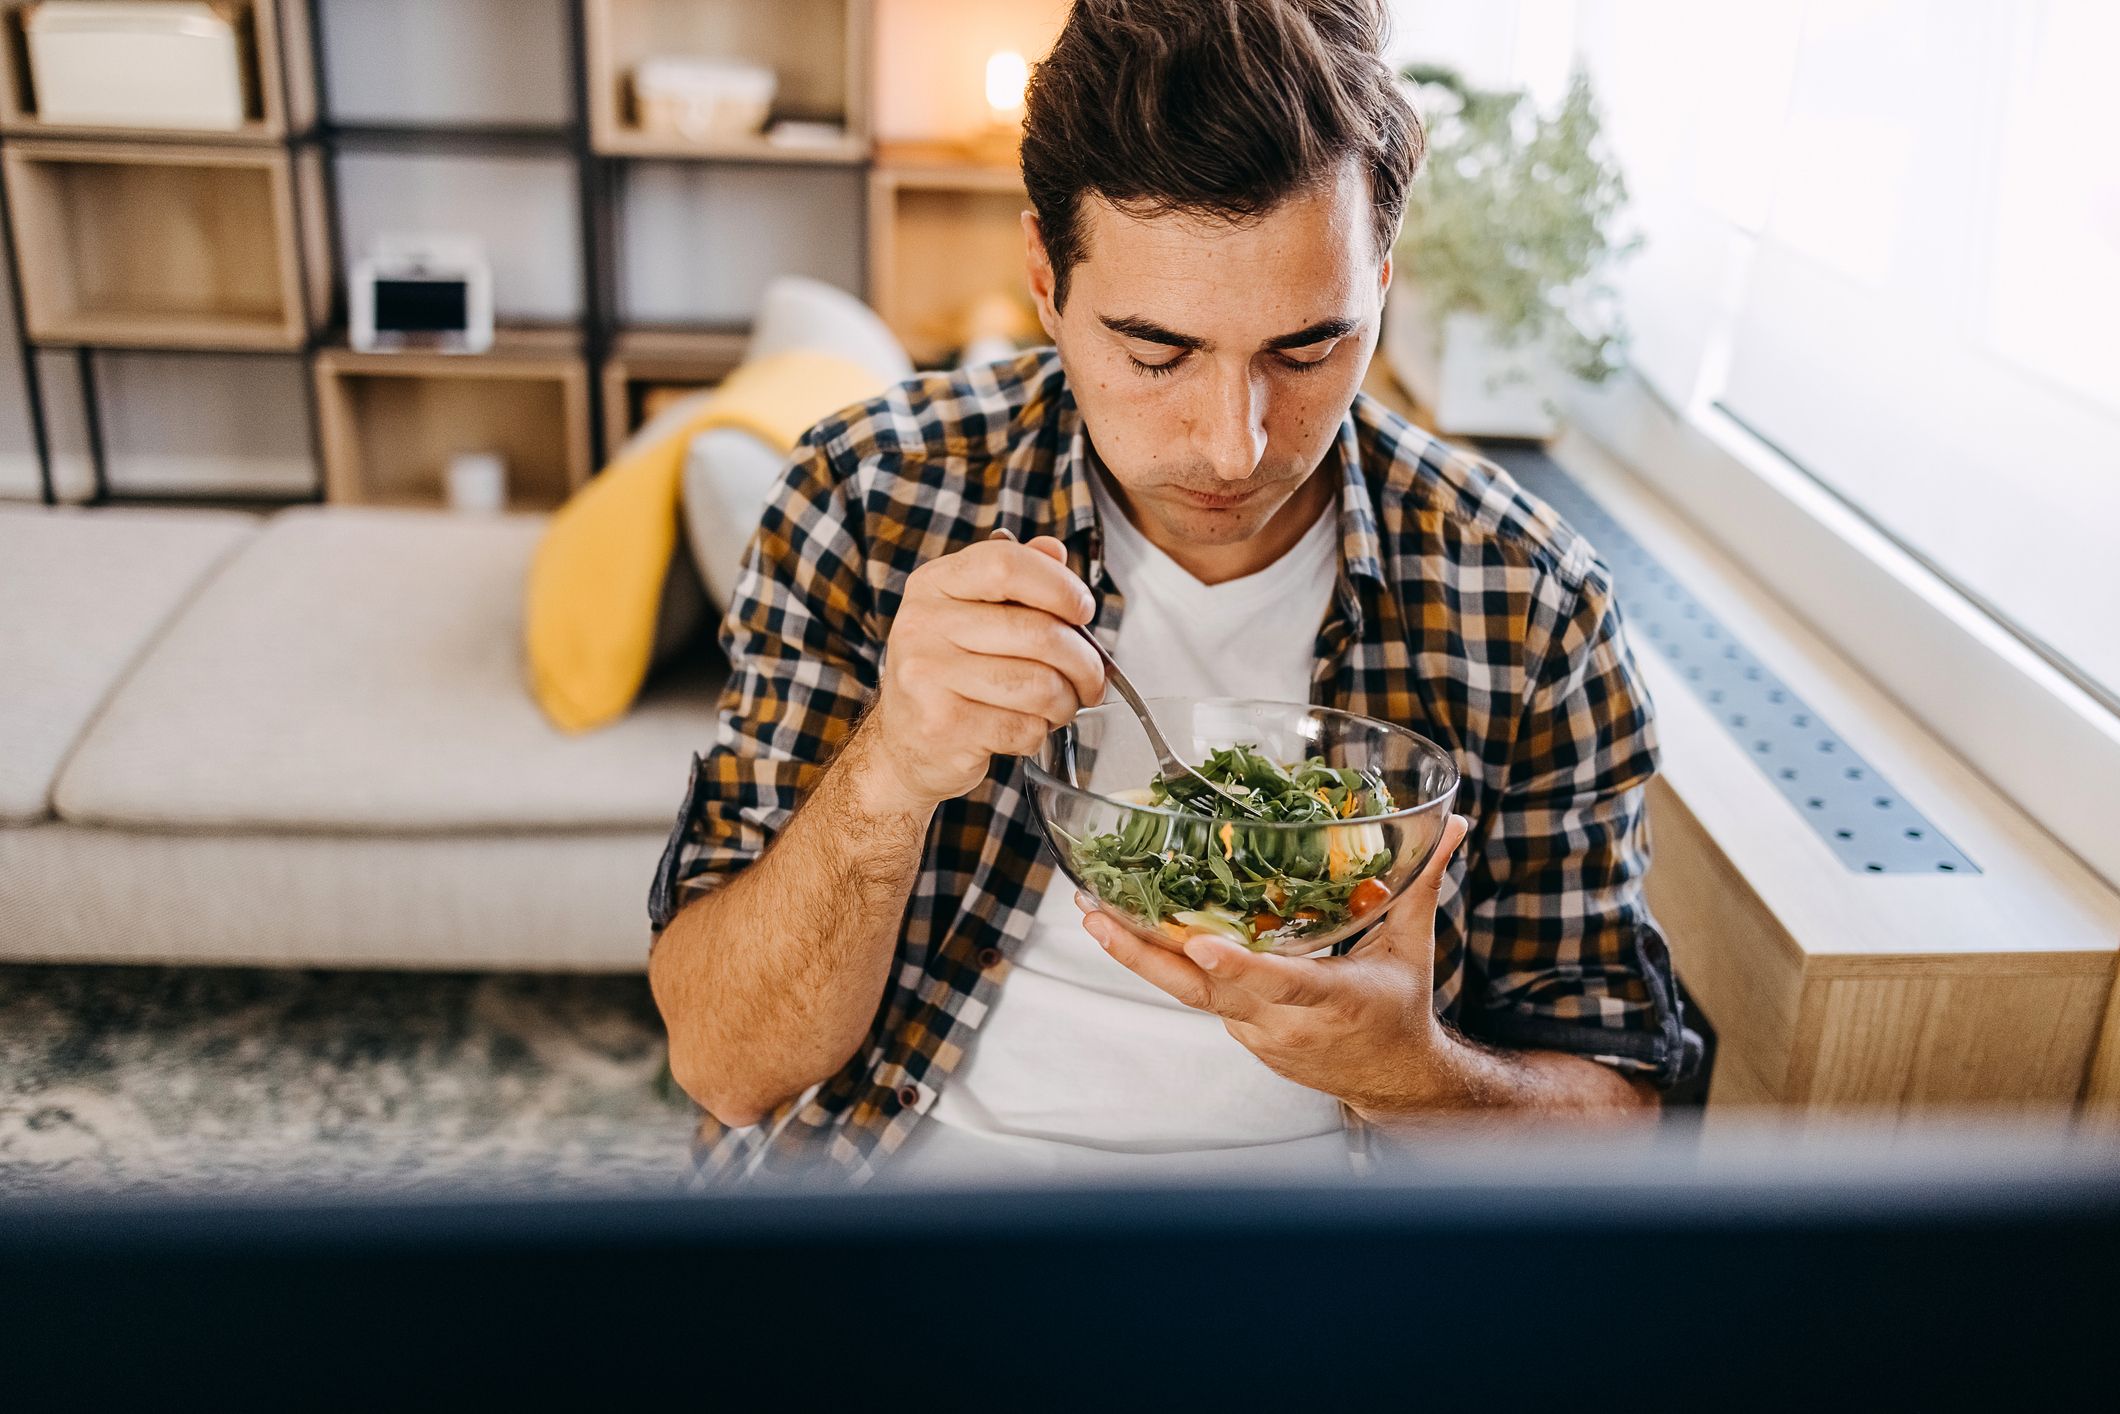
(1149, 332)
(1317, 333)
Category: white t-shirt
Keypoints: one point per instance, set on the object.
(1083, 1068)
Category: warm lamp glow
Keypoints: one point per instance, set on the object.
(1006, 77)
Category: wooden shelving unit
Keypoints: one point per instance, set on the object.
(221, 264)
(228, 241)
(280, 97)
(945, 230)
(392, 421)
(823, 82)
(647, 365)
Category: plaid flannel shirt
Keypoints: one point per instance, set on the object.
(1465, 609)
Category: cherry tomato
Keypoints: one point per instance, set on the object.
(1368, 896)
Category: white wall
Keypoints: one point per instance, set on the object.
(233, 423)
(491, 61)
(697, 244)
(1495, 43)
(18, 447)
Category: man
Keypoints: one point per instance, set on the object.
(866, 958)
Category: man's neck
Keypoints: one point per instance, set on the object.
(1217, 564)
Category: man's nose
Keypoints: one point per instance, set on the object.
(1231, 431)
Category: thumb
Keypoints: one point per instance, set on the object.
(1429, 884)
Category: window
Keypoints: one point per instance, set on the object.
(1884, 235)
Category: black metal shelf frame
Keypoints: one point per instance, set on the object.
(596, 192)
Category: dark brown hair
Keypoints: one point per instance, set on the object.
(1224, 107)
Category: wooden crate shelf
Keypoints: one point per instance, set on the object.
(818, 81)
(646, 365)
(632, 142)
(945, 232)
(170, 246)
(392, 421)
(279, 79)
(945, 166)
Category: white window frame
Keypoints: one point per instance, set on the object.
(1947, 660)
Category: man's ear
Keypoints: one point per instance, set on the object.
(1384, 280)
(1038, 268)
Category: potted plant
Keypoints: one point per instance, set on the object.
(1499, 287)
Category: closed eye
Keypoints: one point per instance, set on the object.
(1158, 370)
(1309, 356)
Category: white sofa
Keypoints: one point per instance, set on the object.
(305, 739)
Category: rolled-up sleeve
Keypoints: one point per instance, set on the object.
(801, 668)
(1558, 926)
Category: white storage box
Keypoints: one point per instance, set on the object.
(702, 100)
(127, 63)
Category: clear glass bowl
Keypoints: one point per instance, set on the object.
(1088, 785)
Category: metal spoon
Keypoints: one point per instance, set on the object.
(1172, 766)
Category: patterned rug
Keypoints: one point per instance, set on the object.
(116, 1079)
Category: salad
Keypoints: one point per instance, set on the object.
(1258, 887)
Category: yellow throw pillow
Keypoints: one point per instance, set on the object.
(597, 578)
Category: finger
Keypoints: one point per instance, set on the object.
(999, 573)
(1043, 544)
(1162, 968)
(1269, 980)
(1012, 631)
(1017, 684)
(999, 731)
(1090, 903)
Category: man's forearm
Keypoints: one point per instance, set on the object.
(1460, 1078)
(768, 984)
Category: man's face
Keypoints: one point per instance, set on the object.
(1213, 362)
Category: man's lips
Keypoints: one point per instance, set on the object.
(1217, 502)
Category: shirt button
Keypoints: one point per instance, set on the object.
(989, 957)
(908, 1097)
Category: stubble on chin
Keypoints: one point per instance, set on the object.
(1198, 525)
(1193, 525)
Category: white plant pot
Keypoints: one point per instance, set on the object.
(1462, 376)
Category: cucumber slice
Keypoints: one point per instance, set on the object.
(1215, 921)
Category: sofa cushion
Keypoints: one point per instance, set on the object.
(729, 477)
(574, 902)
(730, 472)
(360, 670)
(81, 594)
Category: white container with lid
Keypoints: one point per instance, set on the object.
(135, 64)
(702, 100)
